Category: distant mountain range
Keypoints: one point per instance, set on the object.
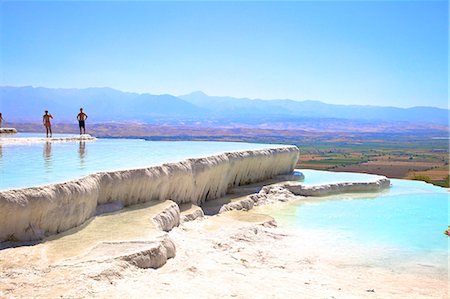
(26, 104)
(101, 104)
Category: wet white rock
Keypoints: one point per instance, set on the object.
(168, 218)
(195, 212)
(33, 140)
(33, 213)
(8, 131)
(329, 189)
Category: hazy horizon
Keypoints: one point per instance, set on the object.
(214, 95)
(388, 53)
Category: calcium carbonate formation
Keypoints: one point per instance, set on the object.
(33, 213)
(30, 140)
(376, 185)
(8, 131)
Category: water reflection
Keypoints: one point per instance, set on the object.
(82, 153)
(48, 156)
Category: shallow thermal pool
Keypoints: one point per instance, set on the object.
(34, 164)
(318, 177)
(400, 227)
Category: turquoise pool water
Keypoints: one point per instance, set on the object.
(404, 224)
(43, 163)
(317, 177)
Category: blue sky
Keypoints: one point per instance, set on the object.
(372, 53)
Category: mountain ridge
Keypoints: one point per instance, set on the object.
(26, 103)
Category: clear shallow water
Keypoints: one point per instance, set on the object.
(44, 163)
(404, 224)
(317, 177)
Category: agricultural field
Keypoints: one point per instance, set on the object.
(424, 161)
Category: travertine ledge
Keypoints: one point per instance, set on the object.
(290, 191)
(141, 254)
(329, 189)
(33, 213)
(8, 131)
(32, 140)
(168, 218)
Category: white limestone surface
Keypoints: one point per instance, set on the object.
(290, 190)
(141, 254)
(8, 131)
(190, 212)
(33, 213)
(33, 140)
(267, 194)
(328, 189)
(231, 255)
(168, 218)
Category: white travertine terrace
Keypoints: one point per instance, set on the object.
(328, 189)
(33, 213)
(191, 214)
(141, 254)
(32, 140)
(168, 218)
(8, 131)
(289, 191)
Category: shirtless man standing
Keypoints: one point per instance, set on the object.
(47, 124)
(81, 120)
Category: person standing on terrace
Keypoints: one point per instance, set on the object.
(82, 117)
(47, 124)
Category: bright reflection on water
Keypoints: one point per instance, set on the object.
(317, 177)
(404, 224)
(50, 162)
